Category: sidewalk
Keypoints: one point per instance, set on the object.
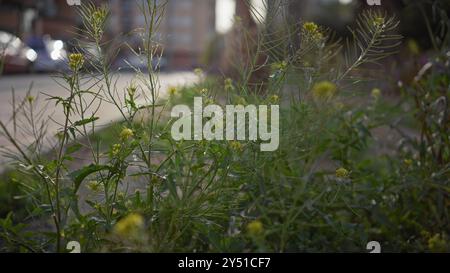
(45, 84)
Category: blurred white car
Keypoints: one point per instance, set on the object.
(51, 54)
(15, 55)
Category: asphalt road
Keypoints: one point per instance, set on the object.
(45, 85)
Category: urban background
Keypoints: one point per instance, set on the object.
(86, 153)
(193, 32)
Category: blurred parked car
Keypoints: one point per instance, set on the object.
(51, 54)
(18, 57)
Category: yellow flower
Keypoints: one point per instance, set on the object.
(376, 93)
(378, 22)
(198, 72)
(131, 90)
(236, 146)
(228, 84)
(204, 92)
(130, 225)
(342, 173)
(438, 243)
(121, 195)
(99, 15)
(408, 162)
(241, 101)
(312, 30)
(95, 186)
(116, 149)
(324, 90)
(76, 61)
(97, 19)
(209, 101)
(274, 99)
(98, 207)
(126, 134)
(413, 47)
(30, 99)
(255, 228)
(279, 66)
(310, 27)
(172, 91)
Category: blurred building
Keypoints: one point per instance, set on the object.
(187, 28)
(185, 31)
(23, 17)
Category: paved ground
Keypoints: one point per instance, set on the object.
(45, 84)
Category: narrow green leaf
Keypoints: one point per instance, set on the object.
(79, 175)
(74, 148)
(85, 121)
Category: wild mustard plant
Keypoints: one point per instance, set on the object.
(324, 90)
(322, 190)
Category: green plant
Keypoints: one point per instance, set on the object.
(324, 189)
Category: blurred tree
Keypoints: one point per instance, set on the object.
(243, 60)
(294, 16)
(295, 8)
(244, 14)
